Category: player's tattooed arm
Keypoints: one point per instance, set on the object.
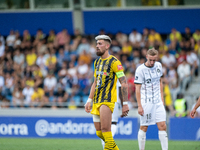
(124, 88)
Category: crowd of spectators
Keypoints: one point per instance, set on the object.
(56, 70)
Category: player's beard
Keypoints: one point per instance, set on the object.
(99, 53)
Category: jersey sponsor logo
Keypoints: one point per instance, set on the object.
(106, 74)
(119, 67)
(102, 73)
(148, 81)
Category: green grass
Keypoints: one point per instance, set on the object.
(80, 144)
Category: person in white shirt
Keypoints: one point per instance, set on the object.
(184, 73)
(2, 50)
(168, 60)
(195, 112)
(10, 40)
(193, 60)
(27, 92)
(149, 95)
(115, 114)
(135, 38)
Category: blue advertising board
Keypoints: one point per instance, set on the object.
(184, 129)
(62, 127)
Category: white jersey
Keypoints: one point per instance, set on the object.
(149, 77)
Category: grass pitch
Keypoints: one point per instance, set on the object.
(81, 144)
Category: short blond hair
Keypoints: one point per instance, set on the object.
(152, 52)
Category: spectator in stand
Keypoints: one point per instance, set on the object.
(163, 48)
(121, 38)
(2, 39)
(40, 36)
(168, 60)
(62, 38)
(131, 90)
(196, 35)
(145, 35)
(61, 57)
(181, 57)
(17, 97)
(27, 93)
(51, 61)
(184, 73)
(50, 83)
(175, 36)
(115, 47)
(2, 50)
(60, 97)
(85, 57)
(154, 37)
(197, 48)
(10, 40)
(193, 61)
(38, 76)
(52, 36)
(63, 71)
(17, 41)
(19, 58)
(37, 99)
(83, 46)
(181, 106)
(135, 38)
(2, 81)
(127, 49)
(31, 57)
(168, 98)
(26, 36)
(187, 36)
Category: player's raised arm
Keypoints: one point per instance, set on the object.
(192, 113)
(124, 95)
(88, 106)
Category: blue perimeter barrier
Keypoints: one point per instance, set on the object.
(83, 127)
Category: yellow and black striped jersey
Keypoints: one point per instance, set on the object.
(106, 79)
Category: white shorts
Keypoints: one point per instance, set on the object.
(115, 114)
(153, 113)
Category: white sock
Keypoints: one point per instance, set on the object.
(113, 130)
(163, 139)
(141, 139)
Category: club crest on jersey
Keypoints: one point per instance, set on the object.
(148, 81)
(158, 70)
(105, 67)
(119, 67)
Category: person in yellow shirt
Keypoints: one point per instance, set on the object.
(168, 98)
(127, 48)
(197, 48)
(175, 36)
(31, 57)
(37, 97)
(196, 35)
(51, 61)
(153, 37)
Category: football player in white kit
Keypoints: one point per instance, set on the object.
(115, 114)
(149, 95)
